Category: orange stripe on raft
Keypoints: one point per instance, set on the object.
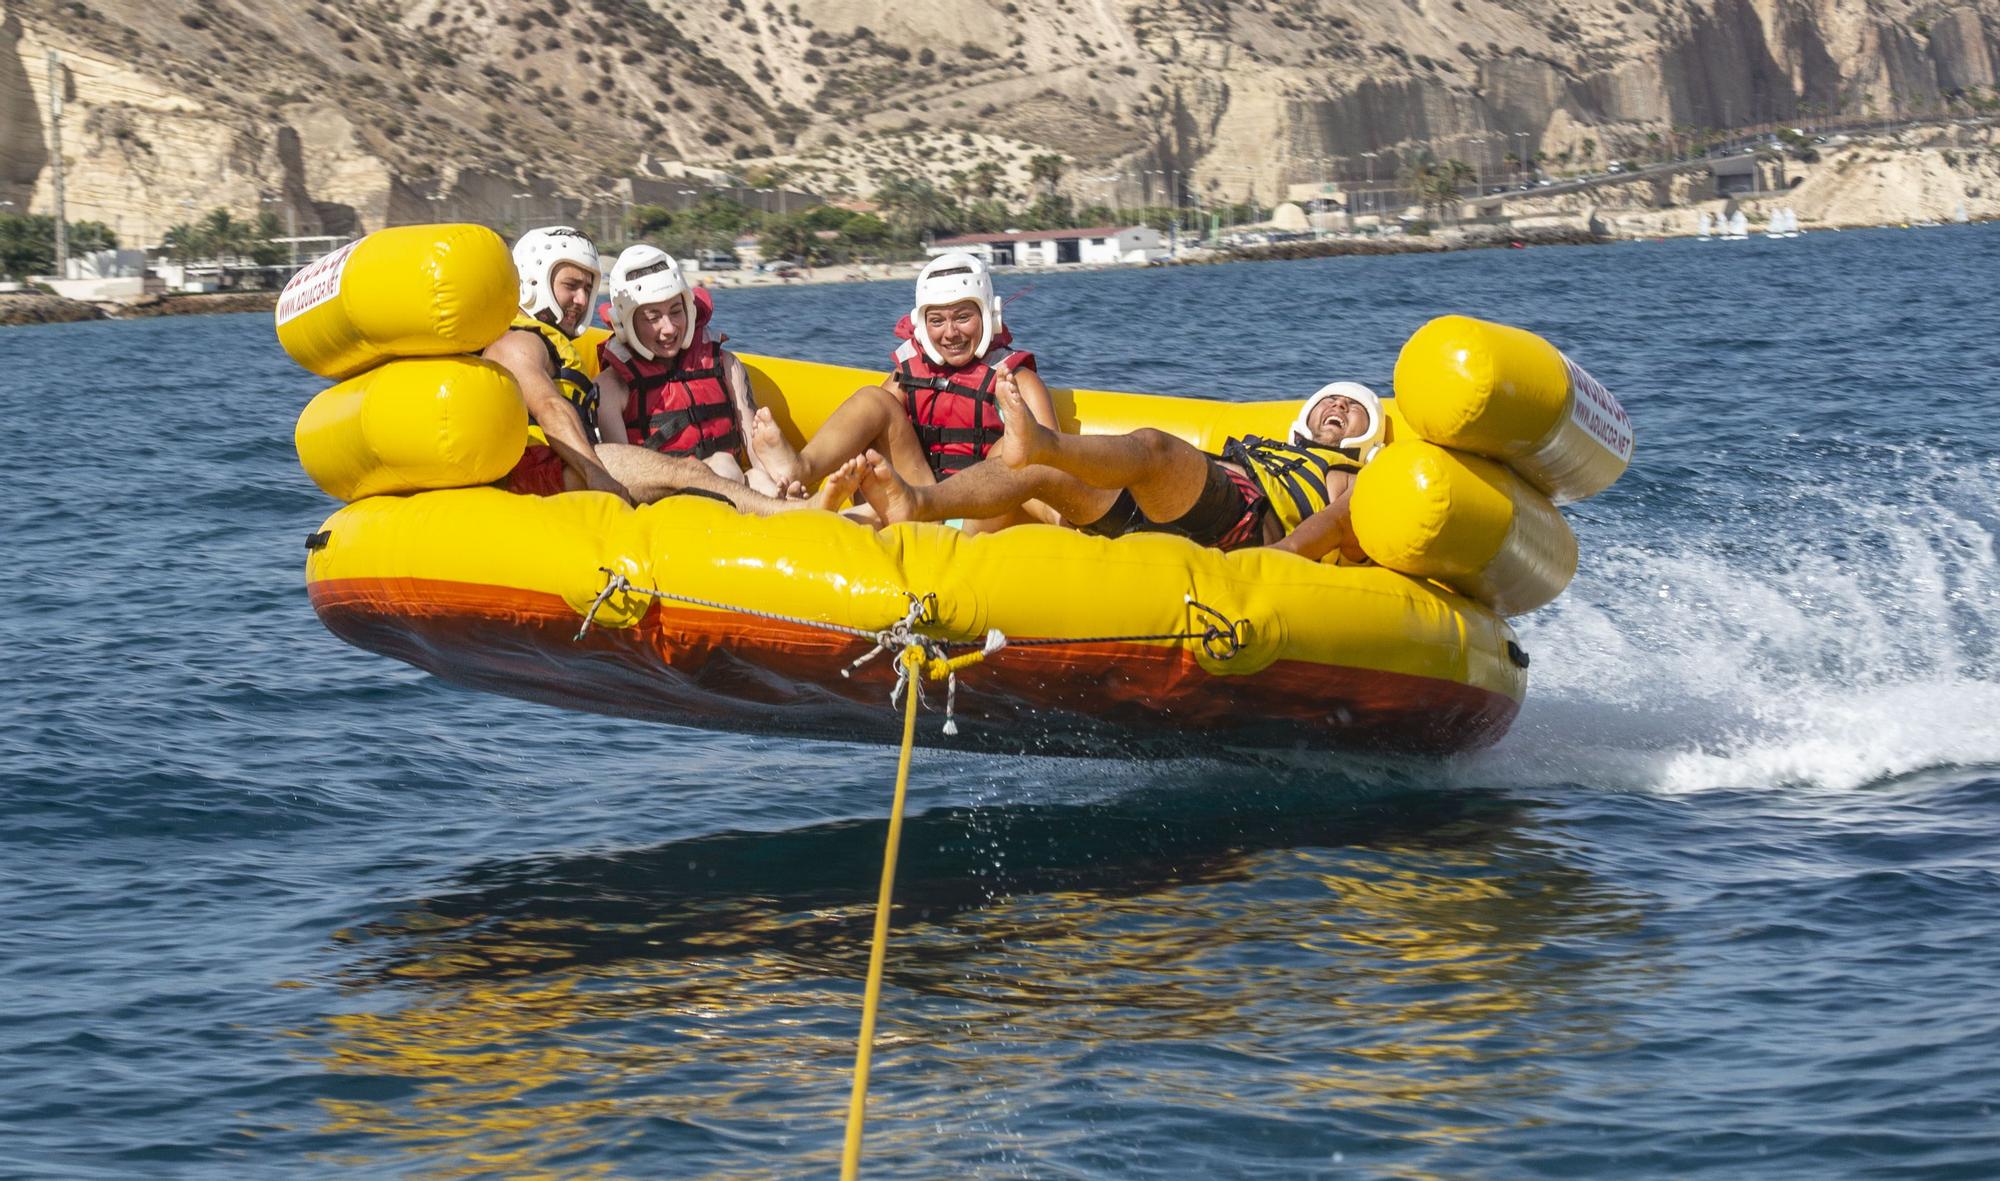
(522, 642)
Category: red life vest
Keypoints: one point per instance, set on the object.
(954, 410)
(680, 406)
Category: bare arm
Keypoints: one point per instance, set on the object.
(611, 395)
(523, 355)
(1329, 528)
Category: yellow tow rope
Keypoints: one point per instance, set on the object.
(915, 662)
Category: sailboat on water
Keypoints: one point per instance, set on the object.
(1704, 226)
(1739, 228)
(1959, 215)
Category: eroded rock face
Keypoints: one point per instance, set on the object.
(344, 117)
(23, 155)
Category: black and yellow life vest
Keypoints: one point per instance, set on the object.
(572, 382)
(1293, 475)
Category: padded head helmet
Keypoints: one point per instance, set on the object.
(647, 275)
(955, 278)
(536, 257)
(1363, 443)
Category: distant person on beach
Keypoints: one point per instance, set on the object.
(558, 269)
(664, 384)
(1290, 496)
(935, 414)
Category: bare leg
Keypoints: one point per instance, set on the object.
(652, 476)
(1164, 474)
(872, 419)
(985, 489)
(773, 450)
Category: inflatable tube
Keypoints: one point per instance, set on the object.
(1506, 393)
(413, 424)
(411, 291)
(488, 589)
(1466, 521)
(1146, 644)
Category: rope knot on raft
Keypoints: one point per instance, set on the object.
(921, 657)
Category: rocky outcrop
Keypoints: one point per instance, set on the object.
(340, 116)
(32, 308)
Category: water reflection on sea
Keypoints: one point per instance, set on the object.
(1412, 954)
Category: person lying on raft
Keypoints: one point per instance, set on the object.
(935, 414)
(558, 269)
(666, 386)
(1283, 495)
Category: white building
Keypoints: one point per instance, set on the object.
(1047, 248)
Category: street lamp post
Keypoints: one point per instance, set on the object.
(1374, 205)
(521, 213)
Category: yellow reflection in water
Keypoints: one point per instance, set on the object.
(1413, 985)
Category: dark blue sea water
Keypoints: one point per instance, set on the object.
(1723, 904)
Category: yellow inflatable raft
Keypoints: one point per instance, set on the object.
(685, 611)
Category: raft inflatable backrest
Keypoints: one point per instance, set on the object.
(410, 291)
(802, 394)
(1506, 393)
(1465, 521)
(413, 424)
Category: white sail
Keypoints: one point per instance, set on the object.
(1959, 215)
(1739, 225)
(1705, 226)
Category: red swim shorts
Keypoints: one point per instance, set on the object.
(540, 472)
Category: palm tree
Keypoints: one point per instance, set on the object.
(984, 179)
(1447, 181)
(183, 243)
(1420, 177)
(913, 203)
(1046, 169)
(226, 239)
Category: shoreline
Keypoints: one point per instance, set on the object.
(34, 307)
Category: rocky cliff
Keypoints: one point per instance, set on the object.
(350, 114)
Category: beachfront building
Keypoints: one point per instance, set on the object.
(1101, 245)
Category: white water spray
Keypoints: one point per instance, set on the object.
(1830, 642)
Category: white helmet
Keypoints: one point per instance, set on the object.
(955, 278)
(647, 275)
(536, 257)
(1363, 443)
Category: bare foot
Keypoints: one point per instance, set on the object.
(838, 488)
(1023, 440)
(777, 456)
(886, 492)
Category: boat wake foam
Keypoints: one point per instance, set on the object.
(1829, 641)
